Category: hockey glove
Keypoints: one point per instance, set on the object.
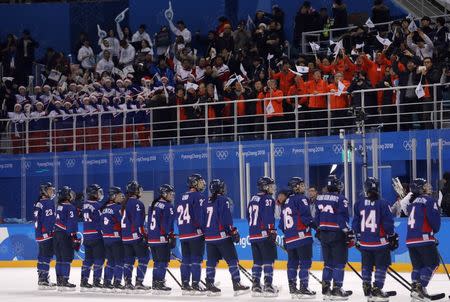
(350, 238)
(171, 240)
(235, 236)
(393, 241)
(317, 235)
(272, 235)
(76, 243)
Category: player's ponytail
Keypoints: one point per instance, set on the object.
(213, 197)
(152, 206)
(125, 201)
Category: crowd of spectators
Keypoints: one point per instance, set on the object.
(243, 61)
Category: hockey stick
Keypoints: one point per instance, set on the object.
(174, 278)
(389, 293)
(245, 272)
(309, 272)
(201, 281)
(443, 264)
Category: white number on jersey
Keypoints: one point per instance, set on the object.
(287, 218)
(253, 215)
(122, 222)
(411, 220)
(183, 214)
(328, 208)
(209, 211)
(370, 222)
(105, 220)
(71, 214)
(86, 217)
(48, 212)
(153, 222)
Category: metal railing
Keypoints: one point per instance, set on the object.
(166, 125)
(316, 34)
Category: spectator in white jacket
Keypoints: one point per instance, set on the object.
(86, 56)
(140, 35)
(127, 53)
(424, 47)
(113, 43)
(181, 30)
(105, 64)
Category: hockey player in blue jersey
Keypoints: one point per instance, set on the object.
(111, 216)
(65, 237)
(44, 222)
(373, 224)
(134, 238)
(296, 222)
(262, 236)
(161, 238)
(220, 234)
(335, 236)
(424, 221)
(94, 250)
(188, 211)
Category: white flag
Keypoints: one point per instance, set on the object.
(332, 42)
(359, 46)
(410, 17)
(302, 69)
(190, 85)
(230, 81)
(216, 95)
(341, 88)
(329, 52)
(250, 23)
(269, 108)
(168, 13)
(243, 70)
(383, 41)
(315, 47)
(339, 45)
(412, 26)
(296, 73)
(239, 78)
(121, 16)
(167, 54)
(101, 33)
(419, 91)
(369, 23)
(269, 57)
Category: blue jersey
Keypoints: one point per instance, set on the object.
(111, 217)
(295, 221)
(189, 215)
(44, 219)
(92, 227)
(332, 212)
(133, 220)
(216, 219)
(160, 222)
(260, 216)
(424, 221)
(66, 218)
(372, 222)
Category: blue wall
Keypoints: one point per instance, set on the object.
(15, 238)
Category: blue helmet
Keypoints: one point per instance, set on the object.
(294, 182)
(43, 190)
(417, 187)
(94, 192)
(66, 194)
(334, 184)
(217, 186)
(371, 185)
(196, 181)
(133, 188)
(167, 192)
(264, 183)
(113, 192)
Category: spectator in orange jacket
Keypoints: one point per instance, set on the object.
(285, 77)
(317, 104)
(375, 69)
(338, 100)
(273, 106)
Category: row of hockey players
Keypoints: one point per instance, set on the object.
(117, 228)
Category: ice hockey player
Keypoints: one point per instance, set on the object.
(188, 210)
(373, 225)
(94, 250)
(296, 223)
(220, 236)
(424, 222)
(134, 238)
(65, 237)
(161, 238)
(111, 218)
(262, 236)
(44, 222)
(335, 236)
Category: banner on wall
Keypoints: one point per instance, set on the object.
(17, 243)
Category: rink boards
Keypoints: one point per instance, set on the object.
(18, 247)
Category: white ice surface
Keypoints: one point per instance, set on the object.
(20, 285)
